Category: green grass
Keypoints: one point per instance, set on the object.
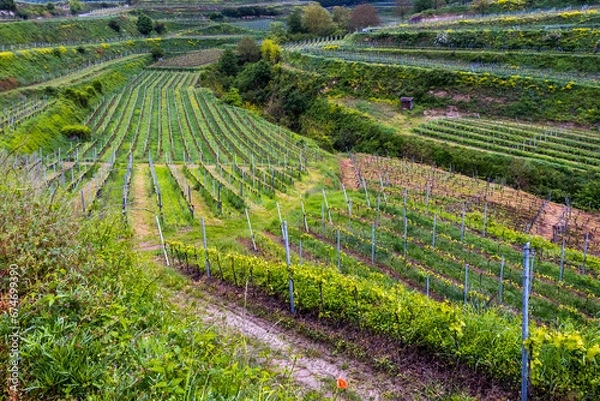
(103, 322)
(72, 29)
(175, 210)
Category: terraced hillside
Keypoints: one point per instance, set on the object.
(160, 243)
(247, 203)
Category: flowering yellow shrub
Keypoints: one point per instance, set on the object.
(7, 55)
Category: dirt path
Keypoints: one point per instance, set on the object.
(391, 373)
(308, 364)
(348, 176)
(142, 210)
(311, 365)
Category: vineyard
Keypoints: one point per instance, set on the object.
(385, 56)
(568, 147)
(391, 235)
(194, 59)
(176, 224)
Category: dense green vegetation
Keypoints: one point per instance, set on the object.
(26, 67)
(98, 321)
(292, 99)
(72, 30)
(547, 62)
(73, 104)
(410, 239)
(568, 39)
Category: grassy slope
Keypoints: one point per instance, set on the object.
(69, 29)
(27, 67)
(100, 320)
(44, 131)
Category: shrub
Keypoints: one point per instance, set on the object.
(77, 96)
(157, 53)
(75, 7)
(215, 16)
(97, 84)
(114, 25)
(144, 24)
(160, 28)
(80, 132)
(233, 97)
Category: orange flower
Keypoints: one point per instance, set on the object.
(341, 383)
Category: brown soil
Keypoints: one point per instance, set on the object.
(516, 204)
(316, 351)
(450, 112)
(349, 178)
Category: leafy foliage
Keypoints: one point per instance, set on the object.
(75, 7)
(8, 5)
(295, 21)
(228, 63)
(270, 51)
(317, 20)
(144, 24)
(100, 322)
(363, 16)
(160, 28)
(80, 132)
(157, 52)
(248, 50)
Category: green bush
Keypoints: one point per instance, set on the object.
(97, 84)
(80, 132)
(79, 97)
(157, 53)
(144, 24)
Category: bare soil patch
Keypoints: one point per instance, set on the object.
(349, 178)
(317, 351)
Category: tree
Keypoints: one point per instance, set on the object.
(160, 28)
(294, 21)
(8, 5)
(277, 33)
(253, 81)
(144, 24)
(422, 5)
(403, 7)
(480, 6)
(340, 17)
(363, 16)
(228, 63)
(248, 50)
(75, 7)
(317, 20)
(270, 51)
(51, 7)
(157, 52)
